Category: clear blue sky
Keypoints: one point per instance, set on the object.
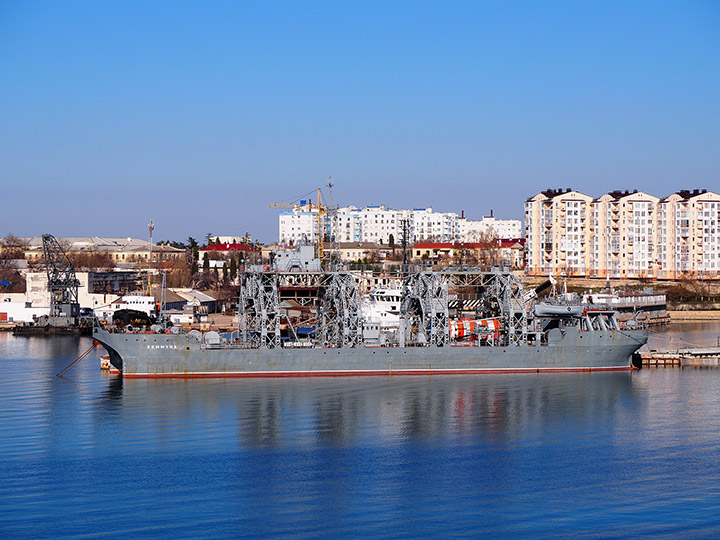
(199, 114)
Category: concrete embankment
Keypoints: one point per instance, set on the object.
(701, 311)
(694, 315)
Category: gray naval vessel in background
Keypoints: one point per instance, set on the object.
(332, 332)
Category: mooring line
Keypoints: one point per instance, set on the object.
(83, 355)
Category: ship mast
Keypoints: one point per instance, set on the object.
(151, 228)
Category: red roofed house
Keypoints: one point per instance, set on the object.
(512, 252)
(227, 248)
(458, 253)
(220, 253)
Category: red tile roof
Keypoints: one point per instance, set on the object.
(230, 247)
(456, 245)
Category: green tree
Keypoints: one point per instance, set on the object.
(193, 247)
(206, 262)
(225, 271)
(233, 267)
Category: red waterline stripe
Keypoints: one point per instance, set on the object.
(415, 372)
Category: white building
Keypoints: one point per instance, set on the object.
(298, 226)
(433, 226)
(380, 224)
(488, 227)
(347, 224)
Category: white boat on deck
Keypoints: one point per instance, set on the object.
(546, 309)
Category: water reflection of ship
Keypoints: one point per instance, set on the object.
(277, 413)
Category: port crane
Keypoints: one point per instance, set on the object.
(62, 281)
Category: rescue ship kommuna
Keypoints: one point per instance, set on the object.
(510, 333)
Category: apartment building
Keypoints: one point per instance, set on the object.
(557, 231)
(381, 225)
(346, 224)
(623, 242)
(433, 226)
(378, 223)
(689, 235)
(298, 226)
(488, 227)
(623, 234)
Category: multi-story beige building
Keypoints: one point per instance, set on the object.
(557, 230)
(623, 234)
(689, 235)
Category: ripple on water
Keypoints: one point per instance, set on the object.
(592, 455)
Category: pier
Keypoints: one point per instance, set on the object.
(696, 357)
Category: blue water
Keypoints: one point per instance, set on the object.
(602, 455)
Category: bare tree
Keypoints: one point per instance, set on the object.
(12, 248)
(91, 260)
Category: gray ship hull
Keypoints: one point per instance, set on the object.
(177, 355)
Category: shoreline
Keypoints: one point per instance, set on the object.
(691, 316)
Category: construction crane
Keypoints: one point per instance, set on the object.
(296, 202)
(332, 209)
(62, 281)
(289, 206)
(320, 233)
(321, 213)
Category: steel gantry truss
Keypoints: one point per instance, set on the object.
(424, 310)
(339, 321)
(424, 307)
(507, 289)
(501, 296)
(340, 317)
(259, 311)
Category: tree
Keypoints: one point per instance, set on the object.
(12, 247)
(206, 262)
(205, 280)
(193, 247)
(92, 260)
(11, 250)
(173, 243)
(178, 273)
(225, 271)
(233, 268)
